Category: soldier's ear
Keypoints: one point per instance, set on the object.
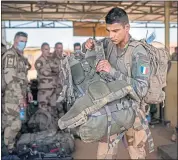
(127, 27)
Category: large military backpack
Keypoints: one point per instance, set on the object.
(99, 109)
(159, 60)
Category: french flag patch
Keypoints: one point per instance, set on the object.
(144, 70)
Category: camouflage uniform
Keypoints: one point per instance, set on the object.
(66, 81)
(60, 80)
(3, 85)
(47, 74)
(135, 136)
(14, 68)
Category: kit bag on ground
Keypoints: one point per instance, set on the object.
(47, 142)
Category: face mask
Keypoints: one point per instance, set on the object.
(21, 46)
(77, 51)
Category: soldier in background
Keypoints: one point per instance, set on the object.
(47, 73)
(77, 52)
(175, 55)
(64, 88)
(58, 56)
(14, 74)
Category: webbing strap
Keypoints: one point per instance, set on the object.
(81, 90)
(108, 112)
(144, 124)
(119, 137)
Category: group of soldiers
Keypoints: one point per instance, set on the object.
(54, 80)
(53, 73)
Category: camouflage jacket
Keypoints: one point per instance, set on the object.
(47, 72)
(14, 72)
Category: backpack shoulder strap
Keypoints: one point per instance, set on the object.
(109, 49)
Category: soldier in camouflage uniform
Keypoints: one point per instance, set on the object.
(58, 56)
(175, 55)
(65, 88)
(77, 52)
(47, 74)
(117, 24)
(14, 73)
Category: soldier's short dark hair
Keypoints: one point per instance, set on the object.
(77, 44)
(22, 34)
(117, 15)
(44, 44)
(58, 43)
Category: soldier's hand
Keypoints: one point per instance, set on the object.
(30, 97)
(103, 65)
(89, 44)
(22, 102)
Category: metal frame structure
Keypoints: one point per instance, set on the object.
(90, 11)
(60, 24)
(82, 10)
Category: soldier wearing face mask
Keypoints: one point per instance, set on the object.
(15, 88)
(77, 52)
(47, 74)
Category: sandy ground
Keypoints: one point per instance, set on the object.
(161, 135)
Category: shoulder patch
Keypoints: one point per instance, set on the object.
(10, 61)
(144, 70)
(38, 64)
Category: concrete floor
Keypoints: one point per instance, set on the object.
(161, 135)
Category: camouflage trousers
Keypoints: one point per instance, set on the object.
(11, 124)
(10, 116)
(47, 101)
(135, 138)
(102, 152)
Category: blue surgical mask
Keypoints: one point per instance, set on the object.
(21, 46)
